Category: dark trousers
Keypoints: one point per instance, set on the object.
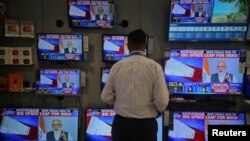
(131, 129)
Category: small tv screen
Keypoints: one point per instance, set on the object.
(59, 82)
(204, 72)
(26, 124)
(115, 47)
(208, 20)
(60, 47)
(104, 76)
(99, 125)
(91, 14)
(193, 126)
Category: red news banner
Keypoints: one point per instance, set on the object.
(210, 116)
(190, 1)
(208, 54)
(37, 112)
(103, 112)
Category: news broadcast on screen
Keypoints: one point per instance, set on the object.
(115, 47)
(99, 124)
(204, 72)
(206, 20)
(59, 81)
(193, 126)
(104, 76)
(60, 47)
(91, 14)
(29, 124)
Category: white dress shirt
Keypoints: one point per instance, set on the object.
(137, 88)
(68, 84)
(70, 49)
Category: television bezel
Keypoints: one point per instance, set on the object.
(67, 60)
(85, 117)
(183, 94)
(51, 108)
(92, 27)
(171, 113)
(58, 95)
(237, 41)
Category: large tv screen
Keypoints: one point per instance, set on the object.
(204, 72)
(59, 82)
(99, 125)
(193, 126)
(26, 124)
(208, 20)
(60, 46)
(115, 47)
(91, 14)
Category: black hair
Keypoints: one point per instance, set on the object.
(137, 37)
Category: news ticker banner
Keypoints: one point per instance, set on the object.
(39, 112)
(226, 132)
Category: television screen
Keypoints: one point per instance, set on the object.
(193, 126)
(104, 76)
(26, 124)
(86, 13)
(115, 47)
(204, 72)
(99, 125)
(208, 20)
(60, 46)
(59, 81)
(248, 86)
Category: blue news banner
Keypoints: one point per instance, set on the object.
(229, 132)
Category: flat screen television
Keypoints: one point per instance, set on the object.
(193, 126)
(204, 72)
(114, 47)
(104, 76)
(208, 20)
(99, 124)
(59, 82)
(91, 13)
(60, 47)
(29, 124)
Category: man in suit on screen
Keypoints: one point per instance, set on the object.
(101, 15)
(70, 48)
(222, 76)
(67, 83)
(201, 16)
(57, 134)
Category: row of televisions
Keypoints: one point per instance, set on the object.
(61, 47)
(28, 124)
(203, 72)
(187, 72)
(188, 20)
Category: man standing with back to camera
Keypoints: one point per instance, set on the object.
(137, 88)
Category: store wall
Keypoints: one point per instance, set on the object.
(150, 15)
